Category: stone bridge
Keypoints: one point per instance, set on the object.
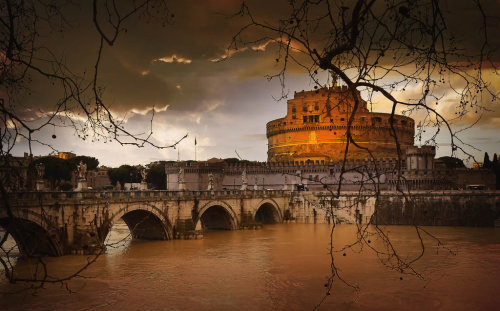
(58, 223)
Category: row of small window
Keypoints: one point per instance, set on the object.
(304, 108)
(311, 119)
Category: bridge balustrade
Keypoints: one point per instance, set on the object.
(72, 195)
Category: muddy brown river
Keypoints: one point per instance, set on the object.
(279, 267)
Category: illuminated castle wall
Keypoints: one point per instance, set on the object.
(315, 129)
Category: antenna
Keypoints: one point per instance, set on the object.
(237, 154)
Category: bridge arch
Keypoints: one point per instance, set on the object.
(268, 212)
(32, 234)
(216, 215)
(144, 220)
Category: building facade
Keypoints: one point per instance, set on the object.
(316, 125)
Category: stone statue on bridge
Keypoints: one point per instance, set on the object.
(40, 172)
(244, 180)
(82, 170)
(82, 174)
(144, 176)
(285, 184)
(255, 186)
(180, 179)
(210, 181)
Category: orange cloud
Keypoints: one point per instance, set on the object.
(173, 59)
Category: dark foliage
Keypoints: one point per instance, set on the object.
(452, 162)
(124, 174)
(65, 186)
(486, 161)
(56, 170)
(156, 176)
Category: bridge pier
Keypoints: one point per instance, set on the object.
(185, 229)
(186, 210)
(84, 240)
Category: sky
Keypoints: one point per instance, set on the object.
(184, 71)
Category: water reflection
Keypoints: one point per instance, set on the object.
(280, 267)
(118, 239)
(10, 252)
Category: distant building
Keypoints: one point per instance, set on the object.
(99, 178)
(473, 179)
(422, 171)
(65, 155)
(278, 176)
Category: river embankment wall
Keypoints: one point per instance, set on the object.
(444, 208)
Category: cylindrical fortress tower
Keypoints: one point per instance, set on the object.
(316, 123)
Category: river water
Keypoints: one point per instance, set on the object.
(279, 267)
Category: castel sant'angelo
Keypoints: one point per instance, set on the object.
(308, 147)
(315, 128)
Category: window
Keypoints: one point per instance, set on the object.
(304, 108)
(311, 119)
(316, 106)
(294, 110)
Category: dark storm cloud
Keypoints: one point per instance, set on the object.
(201, 31)
(223, 102)
(133, 77)
(128, 72)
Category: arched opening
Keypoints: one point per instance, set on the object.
(136, 224)
(267, 214)
(31, 238)
(217, 218)
(145, 225)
